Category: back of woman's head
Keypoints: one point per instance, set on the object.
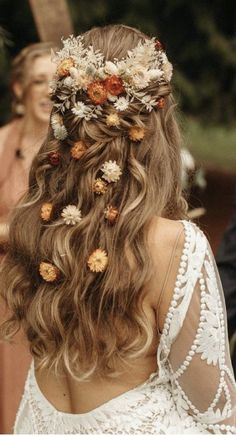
(78, 257)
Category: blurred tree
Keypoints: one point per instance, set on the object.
(200, 39)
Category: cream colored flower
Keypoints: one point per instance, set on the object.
(48, 271)
(58, 127)
(136, 133)
(121, 104)
(98, 260)
(111, 171)
(113, 120)
(71, 215)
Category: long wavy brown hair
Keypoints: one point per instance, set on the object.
(86, 321)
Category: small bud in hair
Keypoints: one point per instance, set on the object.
(158, 45)
(111, 213)
(161, 103)
(46, 211)
(54, 158)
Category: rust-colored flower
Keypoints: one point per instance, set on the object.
(98, 260)
(78, 149)
(46, 211)
(161, 103)
(97, 92)
(49, 272)
(99, 186)
(54, 158)
(158, 45)
(114, 85)
(111, 213)
(64, 67)
(113, 120)
(136, 133)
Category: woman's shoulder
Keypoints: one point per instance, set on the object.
(166, 241)
(164, 232)
(4, 132)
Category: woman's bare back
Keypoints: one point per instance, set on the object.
(66, 394)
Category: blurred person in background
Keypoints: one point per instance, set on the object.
(20, 139)
(226, 261)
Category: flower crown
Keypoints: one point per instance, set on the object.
(83, 84)
(84, 81)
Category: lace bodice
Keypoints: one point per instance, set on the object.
(193, 391)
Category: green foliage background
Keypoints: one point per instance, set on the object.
(199, 36)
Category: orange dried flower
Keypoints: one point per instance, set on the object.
(49, 272)
(98, 260)
(111, 213)
(78, 149)
(46, 211)
(161, 103)
(64, 67)
(97, 92)
(136, 133)
(114, 85)
(99, 187)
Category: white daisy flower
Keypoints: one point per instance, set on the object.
(58, 127)
(121, 104)
(71, 215)
(80, 109)
(111, 171)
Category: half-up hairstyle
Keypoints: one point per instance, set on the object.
(77, 317)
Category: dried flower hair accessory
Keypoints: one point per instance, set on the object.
(58, 127)
(54, 158)
(78, 149)
(71, 215)
(99, 187)
(98, 260)
(46, 211)
(113, 120)
(49, 272)
(136, 133)
(111, 213)
(111, 171)
(83, 75)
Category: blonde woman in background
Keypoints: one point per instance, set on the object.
(20, 139)
(117, 293)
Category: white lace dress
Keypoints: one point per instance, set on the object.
(193, 390)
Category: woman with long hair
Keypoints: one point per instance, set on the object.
(117, 293)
